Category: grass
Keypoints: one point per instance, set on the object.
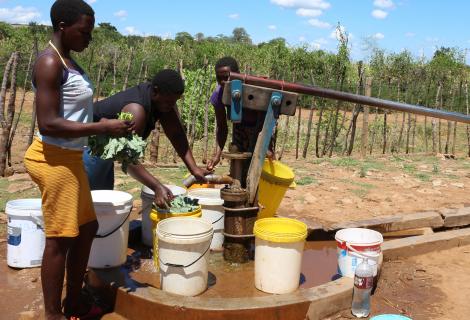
(304, 181)
(5, 196)
(409, 168)
(360, 192)
(345, 162)
(423, 177)
(362, 185)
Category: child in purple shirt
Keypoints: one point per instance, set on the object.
(246, 132)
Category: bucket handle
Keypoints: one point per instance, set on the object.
(38, 221)
(221, 217)
(99, 236)
(367, 255)
(169, 264)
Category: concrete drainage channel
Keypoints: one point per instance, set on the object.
(148, 302)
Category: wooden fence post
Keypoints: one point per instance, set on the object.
(365, 120)
(6, 118)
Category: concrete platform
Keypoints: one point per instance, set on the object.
(146, 302)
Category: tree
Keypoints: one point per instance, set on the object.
(240, 35)
(183, 37)
(199, 36)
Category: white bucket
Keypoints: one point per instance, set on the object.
(26, 237)
(183, 249)
(355, 244)
(109, 248)
(279, 246)
(148, 196)
(212, 211)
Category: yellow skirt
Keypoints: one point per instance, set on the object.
(65, 191)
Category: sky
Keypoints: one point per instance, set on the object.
(420, 26)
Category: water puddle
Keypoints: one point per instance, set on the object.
(227, 280)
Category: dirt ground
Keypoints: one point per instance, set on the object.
(432, 286)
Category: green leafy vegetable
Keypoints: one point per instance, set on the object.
(180, 204)
(126, 150)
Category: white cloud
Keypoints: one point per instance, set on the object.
(302, 39)
(378, 36)
(234, 16)
(385, 4)
(410, 34)
(19, 14)
(307, 4)
(308, 12)
(132, 31)
(166, 35)
(91, 1)
(319, 43)
(319, 24)
(316, 45)
(272, 27)
(121, 14)
(379, 14)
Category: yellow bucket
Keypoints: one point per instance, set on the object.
(156, 217)
(281, 230)
(274, 182)
(279, 246)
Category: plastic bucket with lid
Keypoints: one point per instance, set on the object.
(355, 244)
(183, 249)
(26, 238)
(390, 317)
(156, 216)
(148, 196)
(212, 211)
(279, 246)
(109, 248)
(273, 184)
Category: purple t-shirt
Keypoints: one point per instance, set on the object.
(249, 117)
(216, 97)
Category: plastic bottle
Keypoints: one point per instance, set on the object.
(363, 283)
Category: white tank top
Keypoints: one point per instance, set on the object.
(76, 104)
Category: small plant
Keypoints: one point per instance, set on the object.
(345, 162)
(435, 168)
(423, 177)
(409, 168)
(363, 172)
(304, 181)
(360, 192)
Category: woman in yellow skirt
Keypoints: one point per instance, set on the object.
(64, 100)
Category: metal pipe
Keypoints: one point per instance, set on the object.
(211, 178)
(350, 97)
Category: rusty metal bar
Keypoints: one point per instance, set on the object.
(350, 97)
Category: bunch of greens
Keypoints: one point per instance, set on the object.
(181, 204)
(126, 150)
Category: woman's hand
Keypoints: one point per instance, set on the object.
(117, 128)
(213, 162)
(163, 196)
(200, 174)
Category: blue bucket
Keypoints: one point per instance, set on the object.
(390, 317)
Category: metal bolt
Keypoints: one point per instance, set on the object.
(236, 95)
(276, 102)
